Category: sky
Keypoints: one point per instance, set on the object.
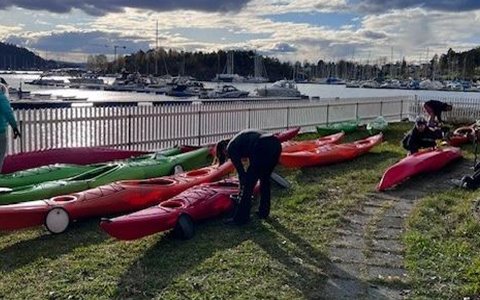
(366, 31)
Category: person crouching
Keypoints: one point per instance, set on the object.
(421, 136)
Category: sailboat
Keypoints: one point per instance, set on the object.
(259, 71)
(228, 75)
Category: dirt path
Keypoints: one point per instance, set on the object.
(367, 257)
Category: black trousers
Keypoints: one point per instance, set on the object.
(262, 162)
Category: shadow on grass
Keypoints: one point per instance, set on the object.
(307, 269)
(49, 246)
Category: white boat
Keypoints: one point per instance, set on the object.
(224, 91)
(87, 80)
(281, 88)
(431, 85)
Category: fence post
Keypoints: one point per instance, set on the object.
(129, 133)
(22, 131)
(401, 110)
(288, 116)
(328, 109)
(356, 111)
(199, 126)
(381, 108)
(249, 110)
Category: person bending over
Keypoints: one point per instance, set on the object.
(421, 136)
(263, 152)
(434, 109)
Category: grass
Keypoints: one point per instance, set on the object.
(284, 257)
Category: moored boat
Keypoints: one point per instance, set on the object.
(330, 153)
(430, 160)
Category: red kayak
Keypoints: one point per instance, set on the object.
(120, 197)
(329, 154)
(424, 161)
(287, 134)
(195, 204)
(295, 146)
(462, 135)
(77, 156)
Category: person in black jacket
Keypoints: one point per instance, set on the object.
(434, 108)
(421, 136)
(263, 152)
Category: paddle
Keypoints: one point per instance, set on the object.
(282, 182)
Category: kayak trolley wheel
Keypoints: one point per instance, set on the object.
(57, 220)
(177, 169)
(184, 229)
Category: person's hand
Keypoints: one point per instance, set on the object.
(16, 133)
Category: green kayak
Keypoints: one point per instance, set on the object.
(377, 125)
(137, 169)
(64, 171)
(348, 126)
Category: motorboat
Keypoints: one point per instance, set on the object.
(281, 88)
(224, 91)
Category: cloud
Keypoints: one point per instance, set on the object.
(91, 42)
(374, 35)
(283, 47)
(375, 6)
(103, 7)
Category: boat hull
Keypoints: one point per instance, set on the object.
(420, 162)
(105, 174)
(114, 198)
(295, 146)
(346, 127)
(462, 135)
(78, 156)
(330, 153)
(199, 203)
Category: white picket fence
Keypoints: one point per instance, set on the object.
(465, 110)
(155, 127)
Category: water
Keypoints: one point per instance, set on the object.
(312, 90)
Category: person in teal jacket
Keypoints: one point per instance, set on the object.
(6, 117)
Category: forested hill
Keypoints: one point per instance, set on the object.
(18, 58)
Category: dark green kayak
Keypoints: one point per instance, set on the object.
(136, 169)
(64, 171)
(348, 126)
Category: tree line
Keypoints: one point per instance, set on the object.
(204, 66)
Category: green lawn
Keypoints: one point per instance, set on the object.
(280, 258)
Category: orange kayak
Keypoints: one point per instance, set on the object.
(329, 154)
(295, 146)
(115, 198)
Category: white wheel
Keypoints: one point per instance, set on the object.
(177, 169)
(57, 220)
